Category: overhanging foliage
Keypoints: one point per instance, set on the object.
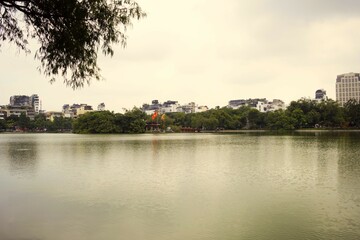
(70, 33)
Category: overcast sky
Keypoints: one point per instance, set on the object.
(210, 52)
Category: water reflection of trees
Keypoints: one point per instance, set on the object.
(349, 182)
(22, 156)
(349, 161)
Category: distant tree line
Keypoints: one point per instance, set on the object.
(132, 121)
(299, 114)
(39, 124)
(303, 113)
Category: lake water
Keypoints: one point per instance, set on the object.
(180, 186)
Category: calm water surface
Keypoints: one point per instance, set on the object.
(180, 186)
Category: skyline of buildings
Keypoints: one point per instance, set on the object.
(347, 87)
(260, 104)
(172, 106)
(26, 101)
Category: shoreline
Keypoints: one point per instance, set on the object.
(214, 131)
(296, 130)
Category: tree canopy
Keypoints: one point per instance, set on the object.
(301, 114)
(70, 33)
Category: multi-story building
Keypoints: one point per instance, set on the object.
(26, 102)
(67, 111)
(151, 108)
(187, 108)
(84, 109)
(201, 109)
(320, 95)
(17, 110)
(261, 104)
(51, 115)
(35, 103)
(276, 104)
(2, 113)
(257, 103)
(20, 100)
(101, 107)
(347, 87)
(171, 107)
(75, 110)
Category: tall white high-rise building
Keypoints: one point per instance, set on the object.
(347, 87)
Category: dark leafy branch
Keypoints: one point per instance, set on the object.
(70, 33)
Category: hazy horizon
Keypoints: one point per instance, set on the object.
(207, 53)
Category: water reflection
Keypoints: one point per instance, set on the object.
(181, 186)
(22, 156)
(349, 185)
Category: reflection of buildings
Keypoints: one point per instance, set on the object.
(348, 182)
(349, 164)
(22, 155)
(347, 87)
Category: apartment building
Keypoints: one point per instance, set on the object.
(261, 104)
(171, 107)
(347, 87)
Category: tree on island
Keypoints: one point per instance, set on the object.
(70, 33)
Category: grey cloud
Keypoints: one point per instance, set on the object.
(313, 9)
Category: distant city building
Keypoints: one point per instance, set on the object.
(276, 104)
(188, 108)
(17, 111)
(35, 103)
(51, 115)
(149, 109)
(261, 104)
(75, 110)
(84, 109)
(257, 103)
(347, 87)
(320, 95)
(101, 107)
(67, 111)
(30, 103)
(171, 107)
(2, 113)
(201, 109)
(20, 100)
